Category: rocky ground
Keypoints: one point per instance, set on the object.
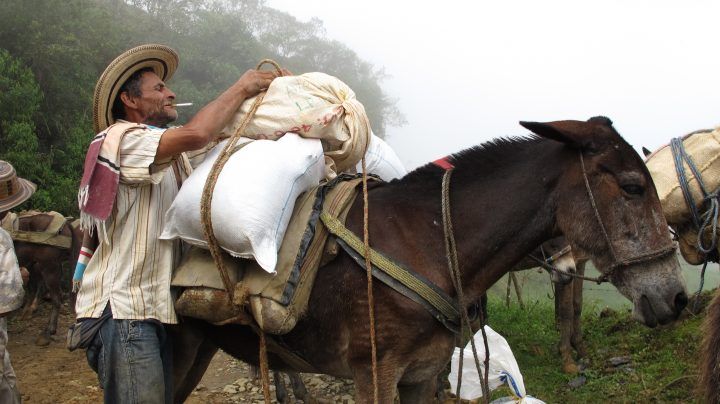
(52, 374)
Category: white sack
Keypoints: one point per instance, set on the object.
(381, 160)
(253, 199)
(503, 368)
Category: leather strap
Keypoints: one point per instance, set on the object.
(411, 285)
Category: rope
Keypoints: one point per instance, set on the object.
(451, 253)
(680, 155)
(264, 368)
(371, 297)
(595, 209)
(206, 218)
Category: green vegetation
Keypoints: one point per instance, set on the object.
(52, 52)
(663, 365)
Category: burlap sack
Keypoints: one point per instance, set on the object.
(313, 105)
(704, 149)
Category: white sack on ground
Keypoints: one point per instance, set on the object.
(382, 160)
(503, 368)
(313, 105)
(254, 196)
(704, 149)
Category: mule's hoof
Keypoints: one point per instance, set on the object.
(43, 340)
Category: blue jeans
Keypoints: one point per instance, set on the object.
(133, 361)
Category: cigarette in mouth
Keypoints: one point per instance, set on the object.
(183, 104)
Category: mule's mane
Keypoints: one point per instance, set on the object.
(482, 158)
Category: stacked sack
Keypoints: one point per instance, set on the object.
(315, 106)
(306, 129)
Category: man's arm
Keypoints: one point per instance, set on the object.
(11, 290)
(210, 120)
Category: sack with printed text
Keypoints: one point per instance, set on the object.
(313, 105)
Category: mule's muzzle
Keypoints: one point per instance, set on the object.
(681, 301)
(653, 314)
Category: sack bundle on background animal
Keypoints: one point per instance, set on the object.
(704, 149)
(253, 198)
(313, 105)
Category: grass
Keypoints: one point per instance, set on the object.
(663, 367)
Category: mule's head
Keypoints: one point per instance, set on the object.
(607, 207)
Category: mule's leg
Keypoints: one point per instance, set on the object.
(280, 391)
(34, 290)
(418, 393)
(298, 388)
(52, 283)
(577, 339)
(364, 390)
(192, 353)
(564, 320)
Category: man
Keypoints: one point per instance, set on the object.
(132, 173)
(13, 192)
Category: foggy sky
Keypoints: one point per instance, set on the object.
(467, 71)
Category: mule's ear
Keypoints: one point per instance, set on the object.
(554, 131)
(646, 152)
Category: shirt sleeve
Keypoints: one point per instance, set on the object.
(11, 289)
(137, 157)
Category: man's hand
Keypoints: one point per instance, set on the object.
(25, 274)
(252, 82)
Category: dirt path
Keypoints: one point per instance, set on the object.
(52, 374)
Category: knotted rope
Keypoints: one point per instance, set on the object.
(371, 296)
(206, 220)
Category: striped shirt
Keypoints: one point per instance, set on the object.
(133, 271)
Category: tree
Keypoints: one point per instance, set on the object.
(20, 99)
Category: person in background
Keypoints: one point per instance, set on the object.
(133, 170)
(13, 192)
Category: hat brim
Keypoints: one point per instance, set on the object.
(162, 59)
(26, 189)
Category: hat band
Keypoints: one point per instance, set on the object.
(8, 188)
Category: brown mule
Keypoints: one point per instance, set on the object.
(579, 179)
(44, 262)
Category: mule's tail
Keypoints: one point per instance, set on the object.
(710, 351)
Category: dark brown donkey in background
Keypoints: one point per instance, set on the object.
(44, 262)
(579, 179)
(568, 284)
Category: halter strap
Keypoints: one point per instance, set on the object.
(617, 262)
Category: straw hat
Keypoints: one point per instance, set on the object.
(162, 59)
(13, 190)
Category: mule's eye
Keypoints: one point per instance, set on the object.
(632, 189)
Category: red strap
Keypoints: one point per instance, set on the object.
(443, 163)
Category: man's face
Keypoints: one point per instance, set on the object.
(155, 101)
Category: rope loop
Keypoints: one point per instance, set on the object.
(206, 219)
(277, 67)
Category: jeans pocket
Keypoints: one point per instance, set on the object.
(95, 355)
